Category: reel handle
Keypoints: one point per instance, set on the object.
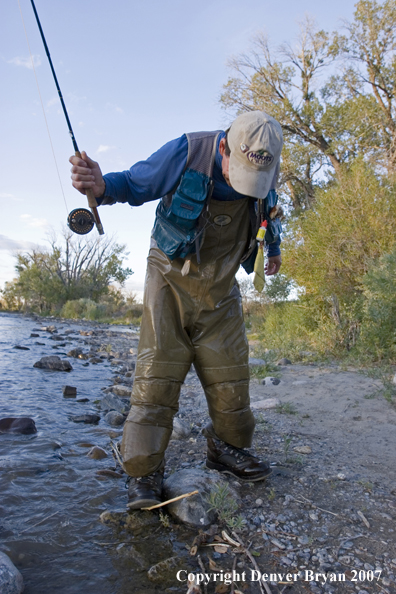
(93, 205)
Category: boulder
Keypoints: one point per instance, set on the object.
(97, 453)
(114, 418)
(195, 510)
(53, 362)
(11, 580)
(22, 425)
(111, 402)
(121, 390)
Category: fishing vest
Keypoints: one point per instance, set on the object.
(183, 214)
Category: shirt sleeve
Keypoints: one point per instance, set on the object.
(148, 180)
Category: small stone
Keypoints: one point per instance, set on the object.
(11, 581)
(82, 400)
(97, 453)
(75, 352)
(181, 429)
(303, 450)
(267, 403)
(341, 476)
(270, 381)
(69, 391)
(256, 362)
(259, 502)
(284, 361)
(34, 335)
(21, 348)
(88, 419)
(314, 517)
(163, 571)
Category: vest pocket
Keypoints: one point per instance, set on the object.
(189, 199)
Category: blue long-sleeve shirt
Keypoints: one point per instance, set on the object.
(160, 174)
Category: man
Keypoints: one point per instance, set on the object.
(211, 185)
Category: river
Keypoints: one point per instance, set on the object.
(50, 495)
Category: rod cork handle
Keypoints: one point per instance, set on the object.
(93, 205)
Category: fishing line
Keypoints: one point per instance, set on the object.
(80, 220)
(42, 106)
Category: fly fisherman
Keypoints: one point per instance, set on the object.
(212, 187)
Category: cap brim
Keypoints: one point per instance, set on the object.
(248, 181)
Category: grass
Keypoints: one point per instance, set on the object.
(286, 408)
(221, 501)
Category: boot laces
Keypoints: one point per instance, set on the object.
(237, 452)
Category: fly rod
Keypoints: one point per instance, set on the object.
(80, 220)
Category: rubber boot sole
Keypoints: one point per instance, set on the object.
(226, 470)
(140, 503)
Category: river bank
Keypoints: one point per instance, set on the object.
(328, 508)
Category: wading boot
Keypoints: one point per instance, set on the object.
(144, 491)
(231, 460)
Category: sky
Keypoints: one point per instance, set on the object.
(133, 75)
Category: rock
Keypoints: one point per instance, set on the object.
(69, 391)
(11, 581)
(89, 419)
(284, 361)
(129, 521)
(114, 418)
(22, 425)
(163, 571)
(55, 363)
(95, 360)
(194, 510)
(83, 356)
(303, 450)
(21, 348)
(394, 379)
(111, 402)
(270, 381)
(256, 362)
(181, 429)
(97, 453)
(266, 403)
(51, 329)
(75, 352)
(34, 335)
(82, 400)
(121, 390)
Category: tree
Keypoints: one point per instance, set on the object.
(328, 120)
(369, 52)
(74, 268)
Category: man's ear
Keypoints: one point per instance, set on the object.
(222, 147)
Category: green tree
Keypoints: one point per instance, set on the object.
(73, 268)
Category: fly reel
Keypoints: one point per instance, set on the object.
(81, 221)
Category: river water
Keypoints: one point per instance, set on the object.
(50, 495)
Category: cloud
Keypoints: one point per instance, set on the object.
(103, 148)
(26, 62)
(4, 195)
(6, 243)
(115, 108)
(33, 222)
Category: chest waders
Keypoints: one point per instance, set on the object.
(196, 319)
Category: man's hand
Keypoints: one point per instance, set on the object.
(87, 174)
(273, 265)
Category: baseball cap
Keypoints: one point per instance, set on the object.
(255, 140)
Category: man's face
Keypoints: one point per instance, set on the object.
(225, 164)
